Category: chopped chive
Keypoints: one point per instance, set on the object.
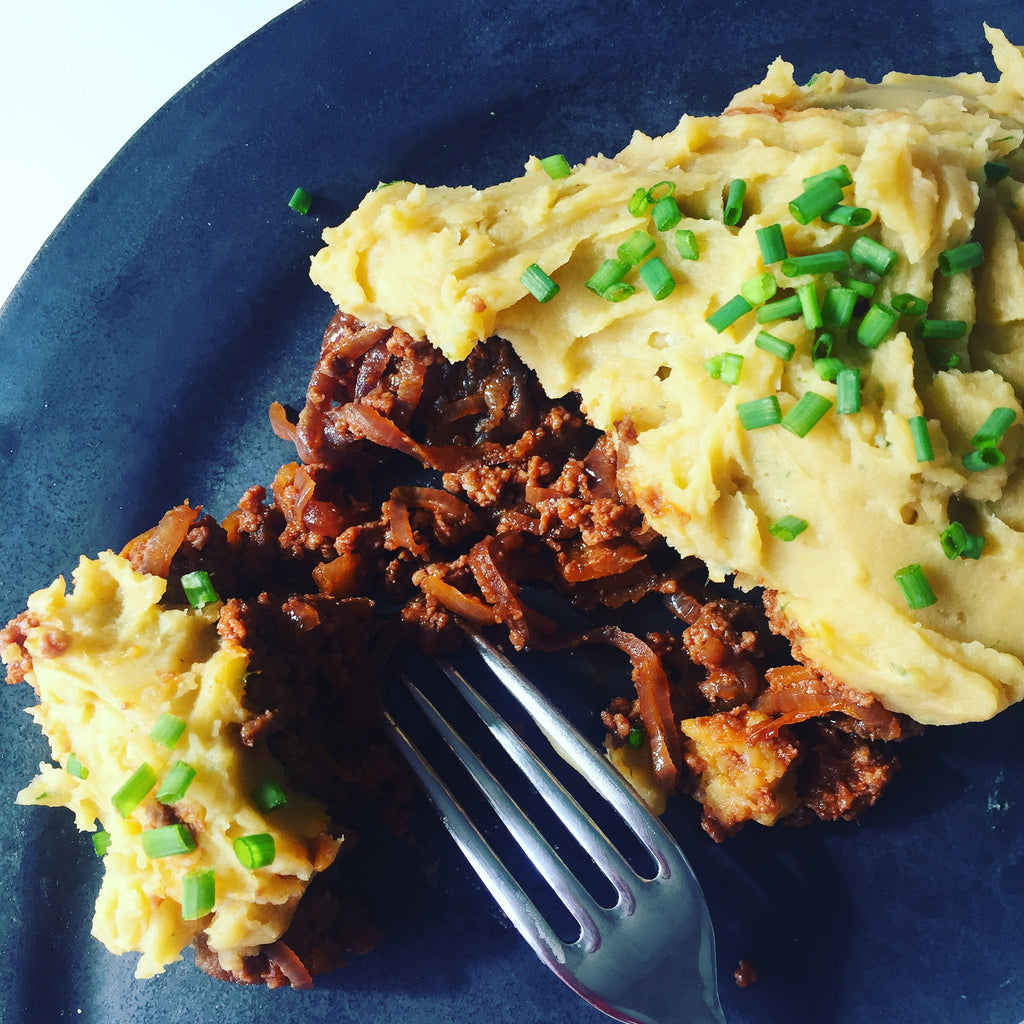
(759, 288)
(134, 790)
(808, 296)
(300, 201)
(101, 842)
(610, 272)
(772, 243)
(848, 391)
(943, 358)
(983, 458)
(960, 258)
(167, 730)
(808, 410)
(775, 346)
(731, 367)
(957, 542)
(974, 546)
(713, 364)
(995, 171)
(658, 279)
(666, 213)
(733, 211)
(787, 528)
(198, 893)
(875, 325)
(268, 796)
(999, 420)
(728, 314)
(837, 307)
(872, 254)
(176, 783)
(75, 768)
(618, 292)
(686, 244)
(828, 368)
(821, 347)
(865, 289)
(840, 174)
(917, 591)
(635, 739)
(199, 591)
(538, 284)
(922, 439)
(759, 412)
(947, 329)
(830, 261)
(556, 166)
(779, 309)
(911, 305)
(636, 247)
(847, 216)
(167, 841)
(816, 200)
(256, 851)
(660, 191)
(638, 202)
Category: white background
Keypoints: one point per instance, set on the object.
(77, 79)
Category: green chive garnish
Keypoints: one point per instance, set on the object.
(300, 201)
(538, 284)
(946, 329)
(199, 591)
(610, 272)
(101, 842)
(830, 261)
(759, 288)
(847, 216)
(255, 851)
(943, 358)
(728, 314)
(638, 202)
(787, 528)
(733, 211)
(776, 346)
(134, 790)
(556, 166)
(268, 796)
(666, 213)
(779, 309)
(983, 458)
(828, 368)
(917, 591)
(957, 542)
(865, 289)
(873, 255)
(167, 841)
(167, 730)
(686, 244)
(840, 174)
(995, 171)
(658, 279)
(837, 307)
(198, 893)
(848, 390)
(660, 190)
(922, 440)
(730, 367)
(635, 739)
(75, 768)
(176, 783)
(618, 292)
(808, 296)
(960, 258)
(808, 410)
(772, 244)
(818, 199)
(636, 247)
(759, 412)
(909, 304)
(995, 426)
(821, 347)
(875, 325)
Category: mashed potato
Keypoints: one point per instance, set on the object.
(935, 163)
(106, 661)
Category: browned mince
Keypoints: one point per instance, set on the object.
(495, 488)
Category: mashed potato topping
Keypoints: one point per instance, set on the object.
(107, 660)
(935, 163)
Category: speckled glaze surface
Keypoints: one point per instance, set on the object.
(141, 350)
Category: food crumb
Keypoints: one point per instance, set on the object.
(745, 974)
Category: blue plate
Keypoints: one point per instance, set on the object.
(171, 306)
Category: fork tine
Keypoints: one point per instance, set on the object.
(537, 848)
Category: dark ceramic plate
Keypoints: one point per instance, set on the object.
(140, 352)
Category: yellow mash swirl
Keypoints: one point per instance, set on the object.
(445, 263)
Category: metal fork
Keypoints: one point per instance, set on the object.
(650, 958)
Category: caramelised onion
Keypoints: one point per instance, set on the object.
(151, 552)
